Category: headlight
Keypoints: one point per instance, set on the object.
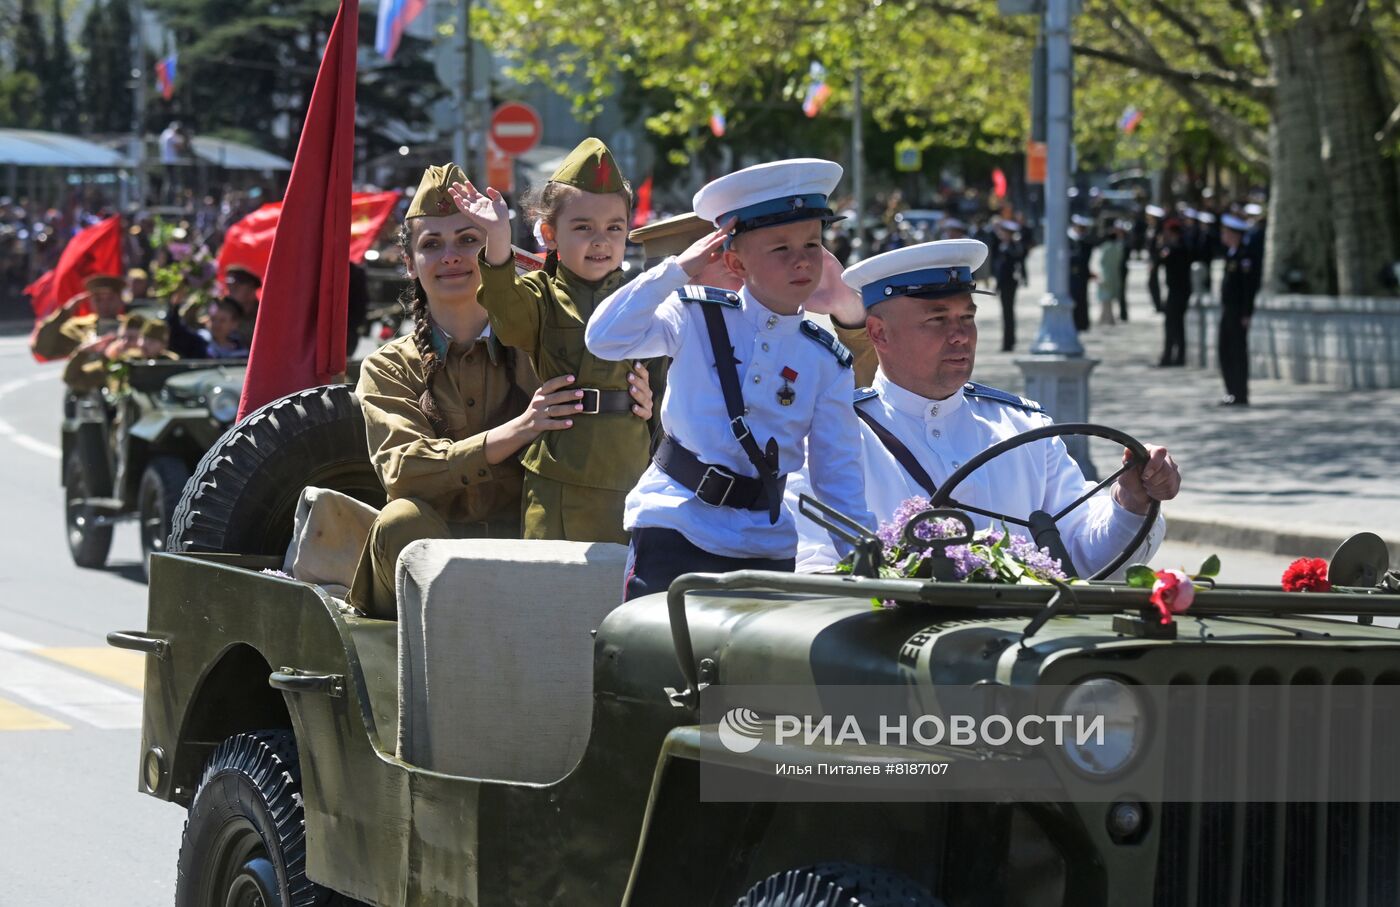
(223, 404)
(1123, 724)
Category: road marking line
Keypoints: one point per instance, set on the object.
(29, 443)
(60, 690)
(15, 644)
(15, 717)
(125, 668)
(21, 439)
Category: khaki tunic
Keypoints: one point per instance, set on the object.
(87, 370)
(62, 332)
(482, 386)
(601, 457)
(857, 340)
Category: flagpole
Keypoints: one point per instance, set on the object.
(857, 165)
(136, 185)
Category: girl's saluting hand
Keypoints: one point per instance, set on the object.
(488, 212)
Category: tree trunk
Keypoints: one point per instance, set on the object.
(1352, 102)
(1298, 242)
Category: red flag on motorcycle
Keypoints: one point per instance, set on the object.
(94, 250)
(299, 335)
(249, 241)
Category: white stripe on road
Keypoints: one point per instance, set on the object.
(10, 643)
(58, 690)
(28, 442)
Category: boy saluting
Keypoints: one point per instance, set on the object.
(752, 381)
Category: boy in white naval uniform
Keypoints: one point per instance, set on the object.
(921, 319)
(736, 423)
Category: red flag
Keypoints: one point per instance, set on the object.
(299, 337)
(642, 215)
(998, 183)
(94, 250)
(249, 241)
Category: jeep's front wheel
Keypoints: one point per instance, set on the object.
(161, 486)
(245, 838)
(846, 884)
(89, 536)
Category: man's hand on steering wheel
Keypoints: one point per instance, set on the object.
(1159, 479)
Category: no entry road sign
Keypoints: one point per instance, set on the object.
(515, 128)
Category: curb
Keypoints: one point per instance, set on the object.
(1199, 528)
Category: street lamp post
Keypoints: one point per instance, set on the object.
(858, 165)
(136, 185)
(1057, 372)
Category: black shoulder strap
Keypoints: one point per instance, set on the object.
(899, 451)
(765, 461)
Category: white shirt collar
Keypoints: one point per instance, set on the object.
(765, 321)
(913, 405)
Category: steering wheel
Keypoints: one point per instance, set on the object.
(1043, 526)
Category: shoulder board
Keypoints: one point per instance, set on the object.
(824, 337)
(695, 293)
(865, 393)
(973, 389)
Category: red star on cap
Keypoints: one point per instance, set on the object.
(444, 205)
(602, 173)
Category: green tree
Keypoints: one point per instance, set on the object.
(100, 72)
(61, 88)
(30, 58)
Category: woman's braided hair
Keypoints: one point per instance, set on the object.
(415, 300)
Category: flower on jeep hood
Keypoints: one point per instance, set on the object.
(1172, 593)
(1306, 574)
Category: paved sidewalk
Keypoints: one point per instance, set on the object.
(1294, 473)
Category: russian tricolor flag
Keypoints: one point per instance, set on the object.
(165, 76)
(717, 122)
(394, 16)
(817, 90)
(1129, 119)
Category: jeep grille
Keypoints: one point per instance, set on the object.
(1267, 854)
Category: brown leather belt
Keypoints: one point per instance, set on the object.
(596, 402)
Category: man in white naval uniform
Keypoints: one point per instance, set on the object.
(921, 320)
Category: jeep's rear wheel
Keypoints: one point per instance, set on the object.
(88, 541)
(838, 885)
(245, 838)
(162, 485)
(244, 492)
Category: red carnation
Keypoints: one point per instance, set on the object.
(1306, 574)
(1172, 593)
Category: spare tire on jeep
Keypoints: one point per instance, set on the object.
(243, 495)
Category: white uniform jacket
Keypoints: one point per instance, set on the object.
(943, 435)
(646, 318)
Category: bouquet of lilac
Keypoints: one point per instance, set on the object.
(992, 556)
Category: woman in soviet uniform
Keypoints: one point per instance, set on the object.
(575, 481)
(449, 407)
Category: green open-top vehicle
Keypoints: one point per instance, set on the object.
(518, 737)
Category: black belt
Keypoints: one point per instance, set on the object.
(713, 485)
(596, 402)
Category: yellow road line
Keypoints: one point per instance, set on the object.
(116, 665)
(15, 717)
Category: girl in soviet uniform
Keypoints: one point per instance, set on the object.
(575, 481)
(448, 408)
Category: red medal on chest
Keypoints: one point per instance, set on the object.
(785, 393)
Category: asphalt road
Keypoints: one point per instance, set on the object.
(76, 832)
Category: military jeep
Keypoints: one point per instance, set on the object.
(127, 452)
(518, 737)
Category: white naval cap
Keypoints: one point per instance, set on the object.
(1253, 209)
(1079, 220)
(1155, 211)
(1009, 225)
(766, 195)
(930, 270)
(1232, 222)
(1205, 217)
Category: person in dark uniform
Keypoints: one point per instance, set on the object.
(1204, 240)
(1125, 229)
(1081, 250)
(1237, 291)
(1154, 260)
(1009, 269)
(1174, 257)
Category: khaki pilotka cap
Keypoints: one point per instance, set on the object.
(670, 236)
(591, 167)
(431, 199)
